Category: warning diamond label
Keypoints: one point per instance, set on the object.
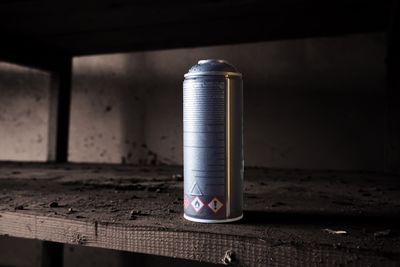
(215, 205)
(186, 202)
(197, 204)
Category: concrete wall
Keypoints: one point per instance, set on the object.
(24, 100)
(311, 103)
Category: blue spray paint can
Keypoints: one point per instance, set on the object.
(213, 142)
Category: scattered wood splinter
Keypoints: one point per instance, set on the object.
(335, 232)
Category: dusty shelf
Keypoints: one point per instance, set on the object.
(139, 209)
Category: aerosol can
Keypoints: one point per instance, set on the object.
(213, 142)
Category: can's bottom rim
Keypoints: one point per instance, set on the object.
(212, 221)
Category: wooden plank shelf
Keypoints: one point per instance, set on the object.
(105, 26)
(139, 209)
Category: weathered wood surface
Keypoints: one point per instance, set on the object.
(106, 26)
(139, 209)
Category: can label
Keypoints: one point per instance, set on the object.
(204, 101)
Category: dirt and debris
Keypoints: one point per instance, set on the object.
(335, 232)
(156, 188)
(136, 212)
(79, 239)
(276, 204)
(229, 257)
(71, 210)
(177, 177)
(384, 233)
(133, 213)
(54, 204)
(19, 207)
(337, 245)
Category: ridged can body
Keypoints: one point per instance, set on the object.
(213, 142)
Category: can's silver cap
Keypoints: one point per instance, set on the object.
(212, 67)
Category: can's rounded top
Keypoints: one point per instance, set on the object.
(212, 67)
